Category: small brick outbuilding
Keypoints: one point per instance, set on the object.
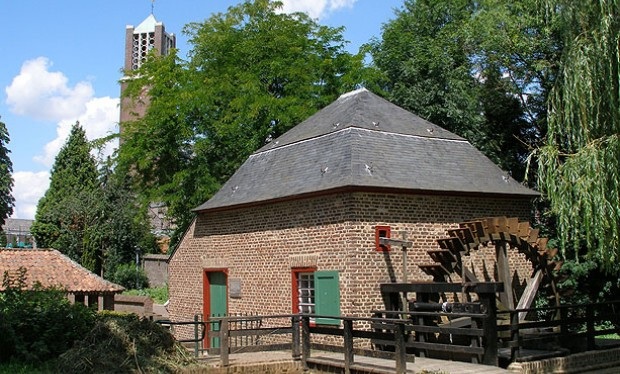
(295, 228)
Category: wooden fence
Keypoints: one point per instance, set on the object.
(402, 335)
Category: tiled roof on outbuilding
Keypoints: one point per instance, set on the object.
(50, 268)
(363, 141)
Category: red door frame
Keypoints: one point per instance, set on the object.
(294, 279)
(206, 298)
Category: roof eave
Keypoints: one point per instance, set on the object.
(531, 194)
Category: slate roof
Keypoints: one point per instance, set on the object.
(363, 141)
(51, 268)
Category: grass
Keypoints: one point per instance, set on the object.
(609, 336)
(158, 294)
(24, 368)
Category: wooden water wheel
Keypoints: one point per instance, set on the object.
(506, 234)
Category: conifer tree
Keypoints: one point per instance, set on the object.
(7, 202)
(69, 207)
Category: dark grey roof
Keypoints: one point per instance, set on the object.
(362, 140)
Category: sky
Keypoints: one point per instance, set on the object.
(60, 62)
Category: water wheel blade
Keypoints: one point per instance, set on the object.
(513, 225)
(465, 234)
(437, 271)
(533, 236)
(477, 229)
(551, 253)
(453, 244)
(524, 230)
(541, 244)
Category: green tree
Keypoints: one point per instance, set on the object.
(579, 163)
(68, 210)
(478, 68)
(252, 74)
(122, 226)
(7, 202)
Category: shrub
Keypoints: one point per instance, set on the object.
(158, 294)
(39, 324)
(130, 277)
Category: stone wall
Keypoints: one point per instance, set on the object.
(259, 246)
(140, 305)
(156, 269)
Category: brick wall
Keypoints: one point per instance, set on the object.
(258, 247)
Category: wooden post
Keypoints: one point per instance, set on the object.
(305, 341)
(196, 342)
(224, 342)
(563, 318)
(489, 325)
(421, 320)
(400, 350)
(515, 351)
(296, 348)
(591, 344)
(348, 345)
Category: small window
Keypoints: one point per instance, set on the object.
(382, 232)
(305, 287)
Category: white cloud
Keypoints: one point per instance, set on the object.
(42, 94)
(315, 8)
(28, 188)
(99, 119)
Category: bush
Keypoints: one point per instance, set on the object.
(158, 294)
(40, 324)
(130, 277)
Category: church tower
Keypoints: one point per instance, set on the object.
(149, 35)
(139, 41)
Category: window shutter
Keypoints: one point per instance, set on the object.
(327, 296)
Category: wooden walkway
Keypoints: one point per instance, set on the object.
(363, 364)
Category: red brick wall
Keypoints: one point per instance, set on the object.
(260, 245)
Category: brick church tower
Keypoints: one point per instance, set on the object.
(149, 34)
(139, 41)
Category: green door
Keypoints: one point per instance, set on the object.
(217, 301)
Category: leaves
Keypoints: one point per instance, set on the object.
(580, 161)
(473, 68)
(7, 202)
(252, 74)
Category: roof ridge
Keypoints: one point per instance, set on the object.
(352, 128)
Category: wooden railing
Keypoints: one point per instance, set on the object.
(572, 326)
(402, 335)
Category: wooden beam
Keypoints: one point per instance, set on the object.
(530, 292)
(503, 271)
(397, 242)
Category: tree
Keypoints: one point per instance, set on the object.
(122, 227)
(478, 68)
(579, 162)
(252, 74)
(7, 202)
(68, 210)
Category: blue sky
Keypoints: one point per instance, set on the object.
(60, 62)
